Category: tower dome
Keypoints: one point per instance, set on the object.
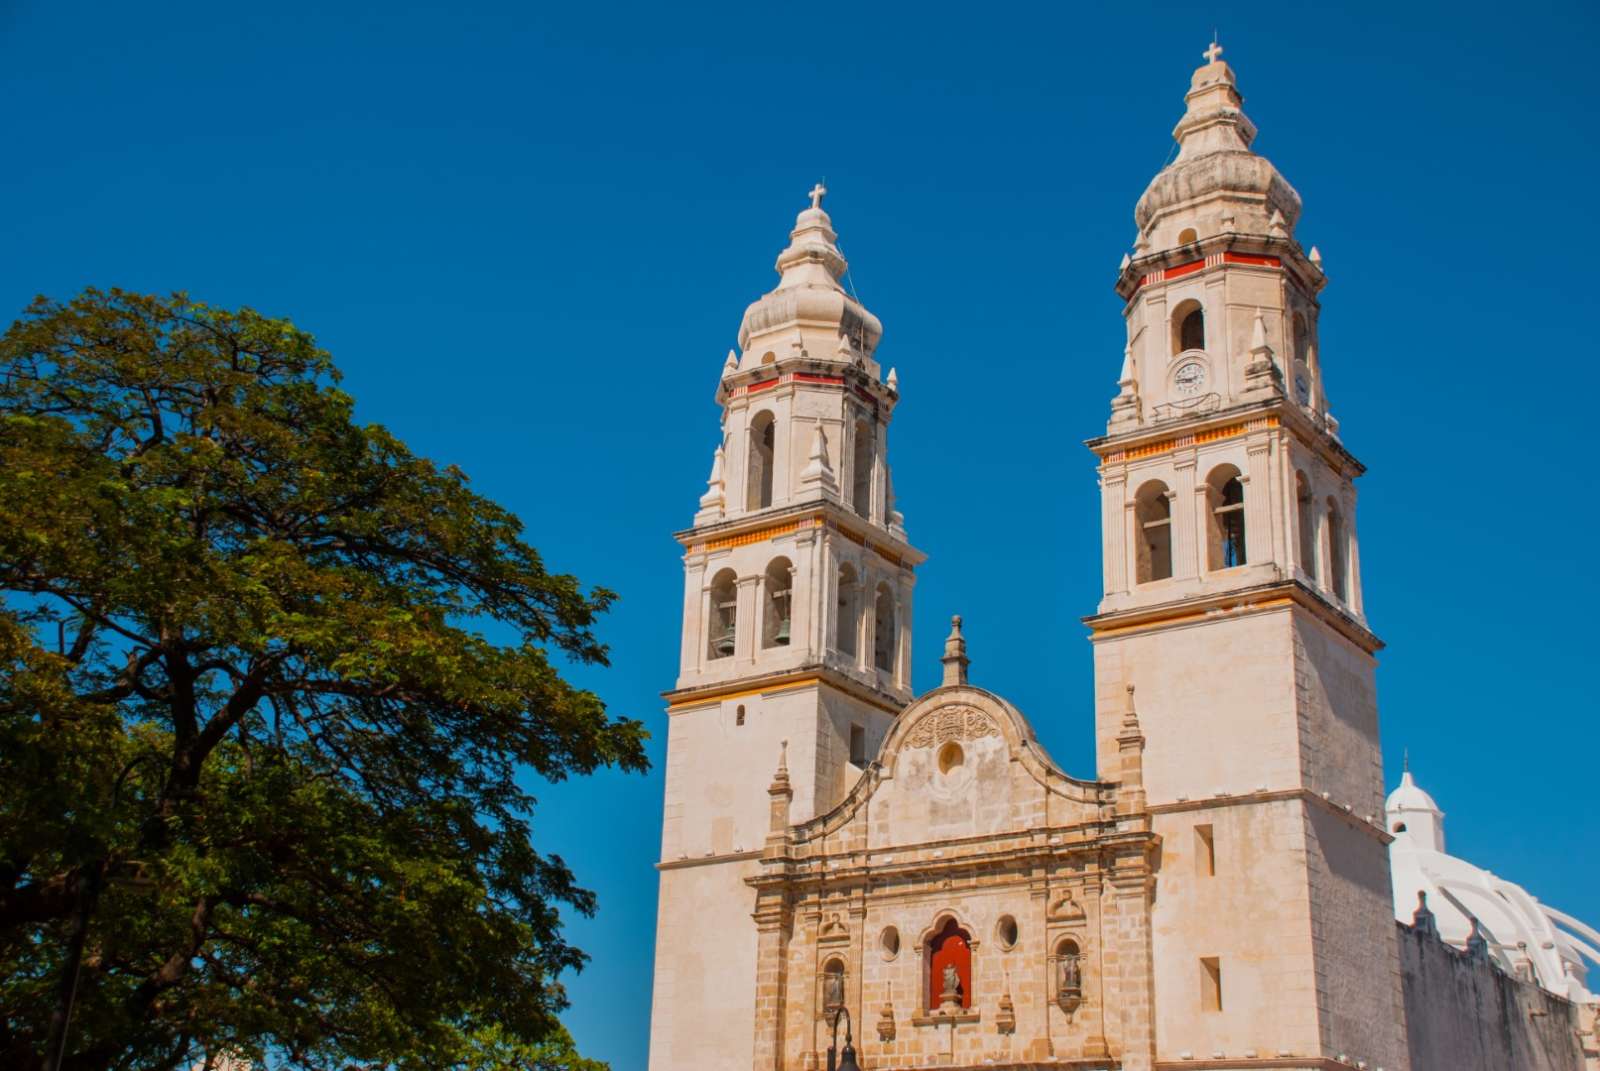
(809, 306)
(1216, 185)
(1411, 812)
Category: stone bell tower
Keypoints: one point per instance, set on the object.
(1232, 604)
(796, 630)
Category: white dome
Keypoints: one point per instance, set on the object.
(1526, 938)
(1408, 797)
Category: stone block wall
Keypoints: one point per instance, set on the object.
(1465, 1014)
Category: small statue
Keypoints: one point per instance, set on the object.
(952, 985)
(1071, 976)
(833, 990)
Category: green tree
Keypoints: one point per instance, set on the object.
(267, 681)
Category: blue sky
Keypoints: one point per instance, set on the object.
(527, 233)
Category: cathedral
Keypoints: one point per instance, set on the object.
(853, 875)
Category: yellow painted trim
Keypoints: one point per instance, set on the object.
(1192, 615)
(760, 535)
(1210, 435)
(717, 697)
(744, 539)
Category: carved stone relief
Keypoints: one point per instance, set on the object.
(951, 723)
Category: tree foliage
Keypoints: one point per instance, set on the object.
(266, 684)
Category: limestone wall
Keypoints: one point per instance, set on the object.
(1467, 1015)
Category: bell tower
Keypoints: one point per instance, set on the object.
(1232, 604)
(796, 636)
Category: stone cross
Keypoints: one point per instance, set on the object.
(818, 192)
(1213, 52)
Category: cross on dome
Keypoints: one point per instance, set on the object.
(818, 192)
(1213, 52)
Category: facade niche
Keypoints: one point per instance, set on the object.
(861, 469)
(1225, 537)
(949, 967)
(775, 625)
(846, 624)
(724, 617)
(832, 987)
(758, 486)
(1067, 973)
(1152, 517)
(884, 628)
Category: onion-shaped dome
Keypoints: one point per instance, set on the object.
(808, 303)
(1216, 184)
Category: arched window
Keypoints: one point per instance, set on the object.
(861, 469)
(950, 964)
(758, 488)
(1188, 327)
(1188, 236)
(1225, 500)
(1307, 521)
(846, 624)
(1152, 518)
(724, 619)
(1338, 553)
(883, 646)
(779, 603)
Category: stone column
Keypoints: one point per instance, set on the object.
(783, 449)
(692, 652)
(1260, 537)
(1353, 561)
(1114, 522)
(1130, 881)
(774, 923)
(1188, 519)
(747, 628)
(902, 671)
(802, 594)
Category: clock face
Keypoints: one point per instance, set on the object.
(1190, 378)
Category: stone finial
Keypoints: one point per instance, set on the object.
(893, 381)
(955, 655)
(731, 365)
(1276, 227)
(818, 192)
(1477, 943)
(1125, 408)
(781, 795)
(714, 500)
(818, 473)
(1315, 256)
(1130, 752)
(1422, 919)
(1126, 260)
(1261, 373)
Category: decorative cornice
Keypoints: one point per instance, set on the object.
(1274, 595)
(769, 524)
(1256, 798)
(681, 699)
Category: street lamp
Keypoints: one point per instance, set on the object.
(846, 1059)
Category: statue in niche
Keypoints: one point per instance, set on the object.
(952, 985)
(1070, 980)
(833, 990)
